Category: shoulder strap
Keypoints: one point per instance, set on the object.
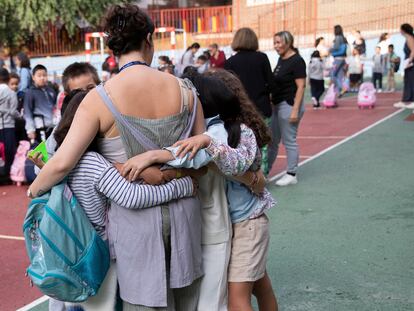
(141, 138)
(188, 86)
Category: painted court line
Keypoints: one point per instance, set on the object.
(34, 304)
(321, 137)
(11, 237)
(340, 143)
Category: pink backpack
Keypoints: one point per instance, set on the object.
(366, 95)
(330, 98)
(17, 169)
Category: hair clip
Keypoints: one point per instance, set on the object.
(121, 23)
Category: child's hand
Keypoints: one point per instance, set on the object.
(259, 187)
(153, 175)
(192, 144)
(37, 159)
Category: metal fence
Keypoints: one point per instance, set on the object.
(306, 19)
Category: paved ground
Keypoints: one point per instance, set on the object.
(341, 239)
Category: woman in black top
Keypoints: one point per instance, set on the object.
(408, 94)
(287, 97)
(253, 69)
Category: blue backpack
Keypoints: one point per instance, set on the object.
(68, 259)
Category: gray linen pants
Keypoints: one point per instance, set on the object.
(178, 299)
(283, 130)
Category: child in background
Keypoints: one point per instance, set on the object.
(378, 69)
(316, 80)
(8, 114)
(392, 61)
(39, 101)
(202, 64)
(355, 68)
(14, 82)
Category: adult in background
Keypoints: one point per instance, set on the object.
(383, 42)
(253, 69)
(217, 58)
(287, 97)
(408, 65)
(157, 250)
(359, 43)
(188, 58)
(23, 70)
(338, 51)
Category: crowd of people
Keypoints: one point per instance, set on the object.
(175, 181)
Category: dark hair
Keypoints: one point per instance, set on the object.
(212, 93)
(24, 60)
(383, 37)
(127, 27)
(77, 69)
(203, 57)
(288, 39)
(4, 75)
(14, 75)
(195, 45)
(339, 32)
(207, 54)
(38, 68)
(316, 54)
(114, 71)
(391, 46)
(408, 29)
(318, 40)
(248, 113)
(75, 98)
(214, 46)
(164, 58)
(189, 72)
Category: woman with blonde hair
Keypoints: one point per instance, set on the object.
(288, 109)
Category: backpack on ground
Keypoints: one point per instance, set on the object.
(329, 100)
(68, 259)
(17, 170)
(366, 95)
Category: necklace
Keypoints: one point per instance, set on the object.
(133, 63)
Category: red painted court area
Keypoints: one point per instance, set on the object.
(319, 130)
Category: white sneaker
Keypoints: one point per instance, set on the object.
(287, 180)
(410, 106)
(379, 91)
(400, 105)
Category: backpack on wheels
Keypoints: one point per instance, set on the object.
(68, 259)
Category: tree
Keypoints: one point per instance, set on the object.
(21, 18)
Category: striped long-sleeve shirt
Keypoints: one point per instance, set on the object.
(95, 182)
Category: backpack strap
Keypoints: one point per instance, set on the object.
(141, 138)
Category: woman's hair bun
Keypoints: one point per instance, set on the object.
(127, 26)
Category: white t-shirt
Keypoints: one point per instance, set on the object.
(316, 69)
(354, 64)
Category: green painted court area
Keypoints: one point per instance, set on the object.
(343, 238)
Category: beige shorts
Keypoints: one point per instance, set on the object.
(250, 245)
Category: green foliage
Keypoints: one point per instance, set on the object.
(20, 18)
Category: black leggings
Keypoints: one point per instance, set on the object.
(377, 76)
(317, 88)
(408, 94)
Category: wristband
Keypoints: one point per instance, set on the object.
(178, 174)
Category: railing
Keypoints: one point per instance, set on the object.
(195, 20)
(215, 24)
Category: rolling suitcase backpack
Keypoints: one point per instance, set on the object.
(366, 96)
